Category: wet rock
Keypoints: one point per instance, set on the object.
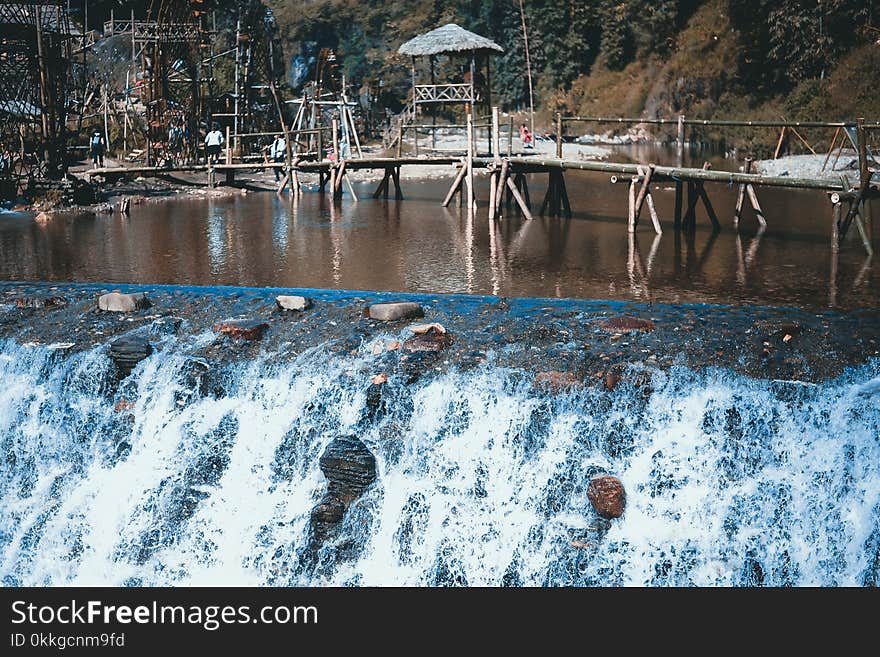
(167, 325)
(41, 302)
(379, 379)
(421, 329)
(349, 468)
(624, 324)
(128, 351)
(243, 330)
(607, 496)
(627, 373)
(388, 312)
(293, 303)
(118, 302)
(430, 340)
(556, 381)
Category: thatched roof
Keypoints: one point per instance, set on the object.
(447, 39)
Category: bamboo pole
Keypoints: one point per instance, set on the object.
(667, 173)
(558, 135)
(470, 166)
(456, 184)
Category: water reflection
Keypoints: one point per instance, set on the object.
(417, 245)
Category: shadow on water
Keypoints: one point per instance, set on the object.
(415, 245)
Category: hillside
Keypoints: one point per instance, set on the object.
(744, 58)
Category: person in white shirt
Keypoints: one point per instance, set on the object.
(278, 151)
(213, 144)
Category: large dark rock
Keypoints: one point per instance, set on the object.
(389, 312)
(607, 496)
(128, 351)
(349, 467)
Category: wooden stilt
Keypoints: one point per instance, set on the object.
(395, 176)
(701, 190)
(456, 185)
(753, 199)
(493, 184)
(499, 189)
(631, 217)
(741, 194)
(654, 218)
(519, 199)
(563, 193)
(690, 215)
(351, 191)
(551, 183)
(383, 184)
(645, 188)
(678, 203)
(835, 248)
(525, 190)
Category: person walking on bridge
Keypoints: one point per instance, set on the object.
(213, 144)
(278, 151)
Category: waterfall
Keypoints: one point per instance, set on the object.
(195, 473)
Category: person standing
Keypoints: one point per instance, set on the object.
(526, 136)
(278, 151)
(96, 145)
(213, 144)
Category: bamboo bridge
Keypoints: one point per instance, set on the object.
(507, 174)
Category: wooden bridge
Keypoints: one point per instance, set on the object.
(507, 174)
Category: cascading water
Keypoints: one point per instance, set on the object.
(482, 479)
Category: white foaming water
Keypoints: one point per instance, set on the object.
(481, 479)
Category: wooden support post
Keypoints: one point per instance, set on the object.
(510, 135)
(645, 188)
(383, 185)
(835, 248)
(228, 148)
(741, 194)
(701, 190)
(558, 135)
(351, 191)
(631, 215)
(519, 199)
(456, 184)
(655, 220)
(753, 199)
(395, 176)
(499, 190)
(679, 186)
(470, 165)
(400, 138)
(563, 194)
(493, 184)
(524, 186)
(690, 215)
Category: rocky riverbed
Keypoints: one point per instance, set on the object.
(565, 342)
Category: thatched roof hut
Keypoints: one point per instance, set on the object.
(450, 40)
(446, 40)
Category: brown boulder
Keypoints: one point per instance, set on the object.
(241, 330)
(624, 324)
(607, 496)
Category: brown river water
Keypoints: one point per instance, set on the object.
(416, 245)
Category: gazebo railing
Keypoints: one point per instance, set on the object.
(445, 93)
